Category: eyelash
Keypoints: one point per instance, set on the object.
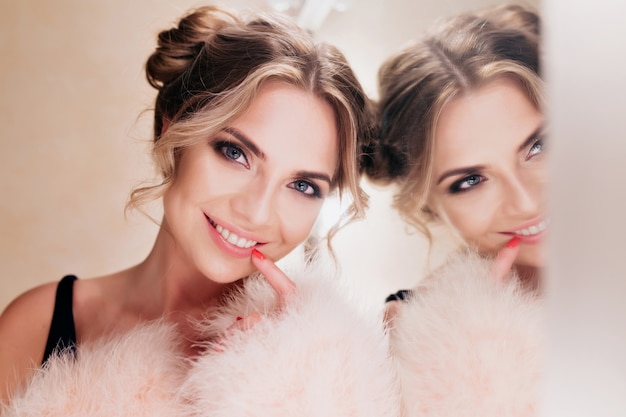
(316, 193)
(458, 186)
(539, 142)
(223, 146)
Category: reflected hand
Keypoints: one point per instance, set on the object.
(504, 260)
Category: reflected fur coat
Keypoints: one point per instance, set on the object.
(461, 346)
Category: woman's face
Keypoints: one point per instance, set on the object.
(490, 170)
(259, 183)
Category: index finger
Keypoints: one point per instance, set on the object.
(505, 259)
(275, 277)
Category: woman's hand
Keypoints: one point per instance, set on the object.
(275, 277)
(504, 260)
(277, 280)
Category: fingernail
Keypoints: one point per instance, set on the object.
(257, 254)
(513, 242)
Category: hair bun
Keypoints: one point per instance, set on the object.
(382, 162)
(178, 47)
(515, 16)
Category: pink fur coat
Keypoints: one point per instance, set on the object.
(464, 346)
(468, 346)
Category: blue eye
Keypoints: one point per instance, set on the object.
(536, 149)
(466, 183)
(232, 152)
(307, 188)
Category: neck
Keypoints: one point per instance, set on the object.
(169, 286)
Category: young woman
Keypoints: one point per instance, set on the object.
(462, 133)
(255, 124)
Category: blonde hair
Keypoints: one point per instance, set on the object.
(463, 54)
(209, 68)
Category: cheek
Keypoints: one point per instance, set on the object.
(206, 180)
(298, 216)
(473, 217)
(538, 179)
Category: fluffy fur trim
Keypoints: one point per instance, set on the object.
(466, 345)
(321, 356)
(137, 374)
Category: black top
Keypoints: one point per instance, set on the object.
(62, 333)
(399, 296)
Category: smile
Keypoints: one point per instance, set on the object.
(533, 230)
(231, 237)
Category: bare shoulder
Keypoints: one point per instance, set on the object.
(24, 327)
(27, 319)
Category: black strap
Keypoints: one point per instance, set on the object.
(62, 333)
(399, 296)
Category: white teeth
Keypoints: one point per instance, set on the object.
(533, 230)
(232, 238)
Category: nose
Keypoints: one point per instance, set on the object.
(255, 205)
(523, 196)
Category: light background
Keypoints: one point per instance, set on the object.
(73, 144)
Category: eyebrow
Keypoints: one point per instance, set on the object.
(247, 142)
(314, 175)
(460, 171)
(470, 170)
(259, 153)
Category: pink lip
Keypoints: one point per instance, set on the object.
(528, 224)
(227, 247)
(529, 240)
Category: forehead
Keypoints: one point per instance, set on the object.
(489, 122)
(291, 125)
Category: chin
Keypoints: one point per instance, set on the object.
(227, 273)
(532, 256)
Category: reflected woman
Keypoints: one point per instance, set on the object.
(463, 137)
(462, 133)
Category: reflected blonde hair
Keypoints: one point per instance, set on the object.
(457, 57)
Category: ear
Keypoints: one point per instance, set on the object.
(432, 213)
(431, 209)
(165, 124)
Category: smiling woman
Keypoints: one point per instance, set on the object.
(462, 133)
(255, 124)
(259, 183)
(489, 169)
